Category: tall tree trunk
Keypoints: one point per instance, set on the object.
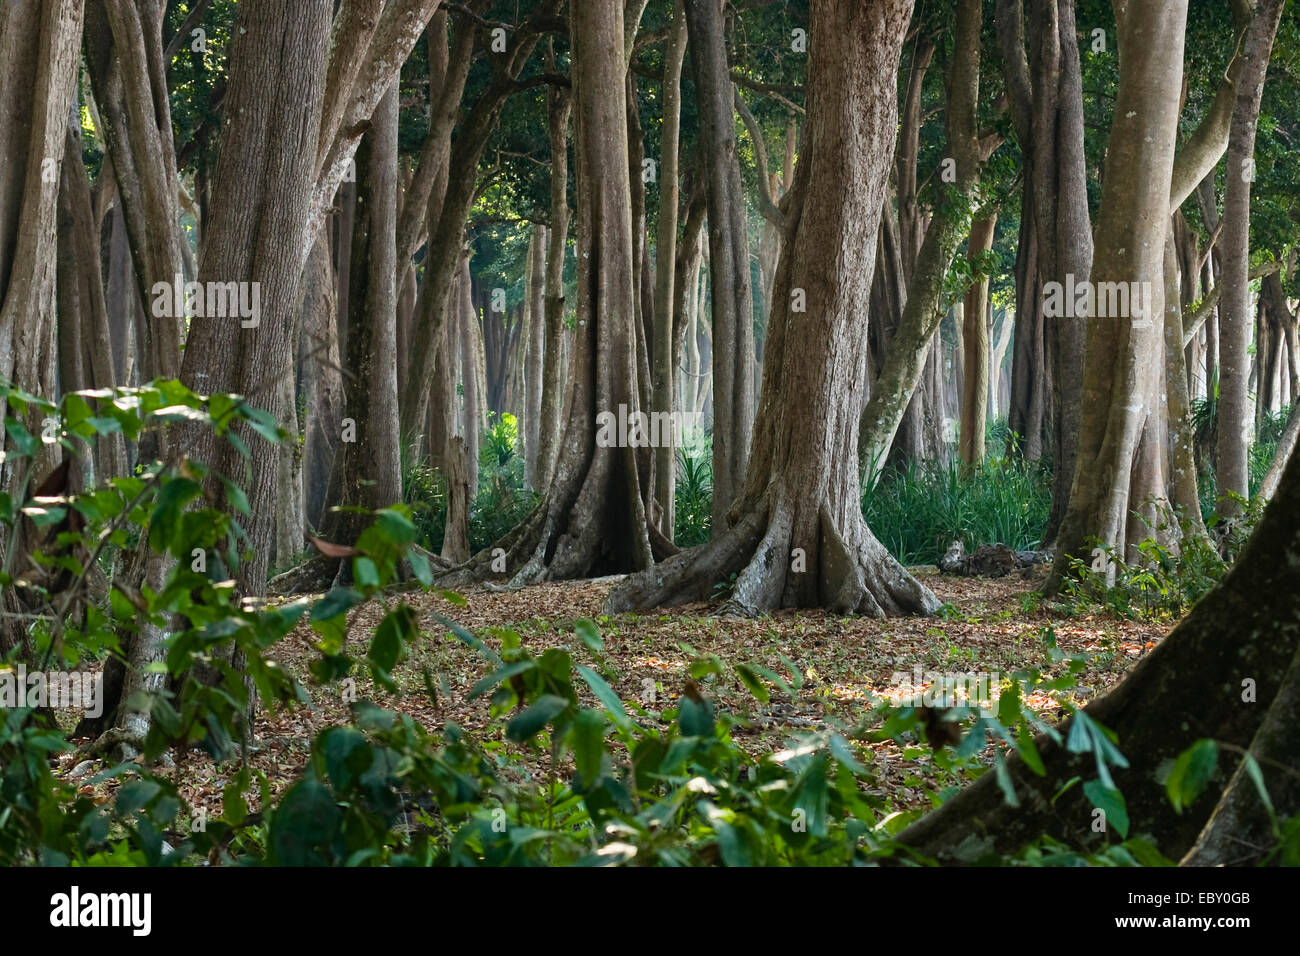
(124, 53)
(446, 236)
(38, 81)
(732, 300)
(592, 519)
(1231, 465)
(535, 323)
(666, 266)
(370, 466)
(915, 338)
(81, 287)
(554, 372)
(265, 177)
(796, 536)
(975, 334)
(1131, 227)
(320, 365)
(468, 336)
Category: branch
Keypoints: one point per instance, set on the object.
(1198, 314)
(765, 204)
(769, 89)
(187, 26)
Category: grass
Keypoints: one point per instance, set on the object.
(917, 512)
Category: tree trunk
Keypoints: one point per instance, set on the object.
(796, 535)
(38, 80)
(535, 324)
(1122, 343)
(370, 467)
(455, 537)
(975, 335)
(592, 519)
(129, 76)
(916, 337)
(665, 268)
(323, 394)
(1231, 459)
(265, 177)
(732, 301)
(554, 372)
(470, 378)
(446, 236)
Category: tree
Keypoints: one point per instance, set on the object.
(666, 278)
(915, 337)
(38, 81)
(975, 333)
(1234, 424)
(1230, 671)
(368, 473)
(795, 536)
(592, 519)
(1123, 344)
(559, 105)
(732, 299)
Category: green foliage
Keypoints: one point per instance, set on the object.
(917, 512)
(1161, 585)
(694, 499)
(623, 783)
(503, 498)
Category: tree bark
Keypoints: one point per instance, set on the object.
(914, 339)
(592, 519)
(1234, 425)
(796, 535)
(975, 335)
(666, 265)
(732, 300)
(535, 325)
(558, 107)
(370, 466)
(1130, 235)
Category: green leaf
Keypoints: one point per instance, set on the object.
(1191, 773)
(510, 670)
(604, 693)
(1111, 802)
(420, 568)
(587, 739)
(529, 721)
(750, 680)
(590, 635)
(386, 646)
(696, 717)
(365, 572)
(1257, 777)
(303, 824)
(347, 756)
(1005, 783)
(336, 602)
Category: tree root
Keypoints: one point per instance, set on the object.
(117, 742)
(848, 572)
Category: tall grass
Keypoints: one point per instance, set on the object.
(918, 511)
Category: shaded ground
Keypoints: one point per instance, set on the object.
(841, 662)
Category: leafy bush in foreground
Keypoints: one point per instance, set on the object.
(623, 785)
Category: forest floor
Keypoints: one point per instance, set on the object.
(845, 665)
